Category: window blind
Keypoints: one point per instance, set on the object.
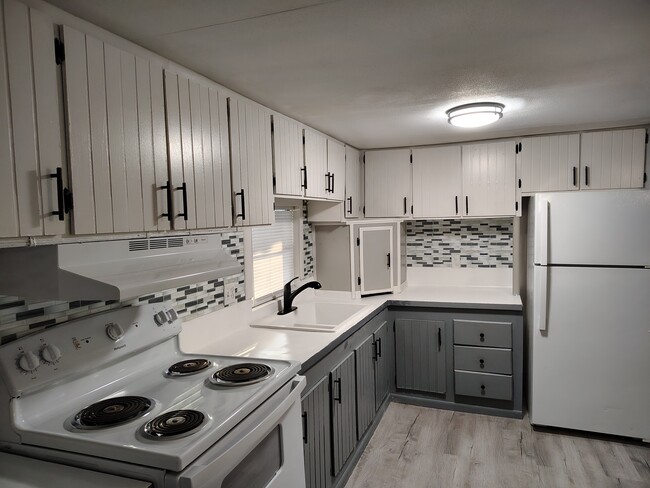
(273, 255)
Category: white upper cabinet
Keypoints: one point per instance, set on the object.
(612, 159)
(252, 163)
(437, 182)
(549, 163)
(336, 169)
(33, 172)
(388, 183)
(318, 178)
(199, 157)
(288, 157)
(353, 183)
(489, 179)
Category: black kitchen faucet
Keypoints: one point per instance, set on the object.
(289, 296)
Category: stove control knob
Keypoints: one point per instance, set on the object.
(172, 315)
(28, 361)
(160, 318)
(50, 353)
(114, 331)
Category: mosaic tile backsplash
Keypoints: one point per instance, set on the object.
(19, 317)
(477, 243)
(307, 243)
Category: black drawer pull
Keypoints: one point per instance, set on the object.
(60, 212)
(243, 205)
(439, 338)
(304, 427)
(482, 337)
(575, 172)
(168, 214)
(183, 188)
(456, 200)
(332, 182)
(404, 205)
(388, 260)
(303, 183)
(350, 202)
(482, 363)
(379, 347)
(586, 175)
(338, 399)
(466, 205)
(482, 389)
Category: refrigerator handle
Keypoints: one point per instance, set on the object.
(540, 298)
(541, 232)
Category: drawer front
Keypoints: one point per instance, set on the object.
(483, 359)
(482, 333)
(483, 385)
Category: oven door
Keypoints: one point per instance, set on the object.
(263, 451)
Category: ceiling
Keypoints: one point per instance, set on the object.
(381, 73)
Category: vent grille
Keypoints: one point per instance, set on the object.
(146, 244)
(175, 242)
(157, 243)
(139, 245)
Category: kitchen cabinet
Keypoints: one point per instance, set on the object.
(252, 164)
(364, 357)
(384, 362)
(548, 163)
(388, 183)
(376, 259)
(318, 177)
(288, 157)
(437, 182)
(353, 183)
(420, 355)
(489, 180)
(612, 159)
(343, 401)
(33, 172)
(336, 169)
(316, 434)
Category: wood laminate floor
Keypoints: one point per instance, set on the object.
(417, 447)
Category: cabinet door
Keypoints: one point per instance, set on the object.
(420, 355)
(252, 165)
(336, 169)
(288, 157)
(364, 357)
(30, 127)
(353, 183)
(342, 390)
(388, 183)
(316, 435)
(384, 367)
(489, 179)
(376, 259)
(549, 163)
(612, 159)
(437, 182)
(318, 180)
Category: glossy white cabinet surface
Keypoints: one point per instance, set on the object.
(388, 183)
(612, 159)
(488, 179)
(437, 182)
(316, 164)
(336, 169)
(549, 163)
(353, 183)
(30, 128)
(288, 157)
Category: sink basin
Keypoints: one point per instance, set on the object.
(312, 316)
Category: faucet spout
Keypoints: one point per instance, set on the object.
(289, 296)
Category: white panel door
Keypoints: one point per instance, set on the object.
(376, 259)
(388, 183)
(288, 157)
(612, 159)
(549, 163)
(336, 169)
(488, 179)
(589, 369)
(353, 183)
(437, 181)
(318, 178)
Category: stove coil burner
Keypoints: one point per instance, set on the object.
(188, 367)
(112, 412)
(174, 424)
(241, 374)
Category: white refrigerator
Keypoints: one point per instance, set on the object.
(588, 311)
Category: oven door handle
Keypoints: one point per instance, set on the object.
(215, 464)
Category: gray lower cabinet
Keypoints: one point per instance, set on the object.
(344, 415)
(316, 435)
(420, 355)
(384, 362)
(364, 357)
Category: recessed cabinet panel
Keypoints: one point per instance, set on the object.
(288, 157)
(437, 179)
(336, 169)
(388, 183)
(420, 355)
(376, 259)
(316, 435)
(353, 183)
(318, 180)
(365, 357)
(384, 362)
(549, 163)
(343, 395)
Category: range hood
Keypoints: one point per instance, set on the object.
(113, 270)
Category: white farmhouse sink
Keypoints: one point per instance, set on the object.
(313, 316)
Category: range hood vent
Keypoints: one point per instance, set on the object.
(113, 270)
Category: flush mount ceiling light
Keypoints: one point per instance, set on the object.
(475, 114)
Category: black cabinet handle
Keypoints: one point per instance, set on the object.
(456, 200)
(183, 188)
(466, 205)
(482, 389)
(332, 182)
(375, 346)
(243, 205)
(481, 363)
(586, 175)
(482, 337)
(350, 202)
(379, 347)
(575, 172)
(327, 184)
(388, 260)
(404, 205)
(304, 428)
(168, 214)
(303, 183)
(59, 193)
(338, 381)
(439, 338)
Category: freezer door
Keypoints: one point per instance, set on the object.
(610, 228)
(589, 368)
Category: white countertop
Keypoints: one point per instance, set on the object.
(227, 332)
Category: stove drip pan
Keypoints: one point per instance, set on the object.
(111, 412)
(241, 374)
(174, 424)
(188, 367)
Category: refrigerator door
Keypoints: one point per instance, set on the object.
(601, 228)
(589, 368)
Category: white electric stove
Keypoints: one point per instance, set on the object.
(113, 393)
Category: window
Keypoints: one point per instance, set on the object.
(273, 255)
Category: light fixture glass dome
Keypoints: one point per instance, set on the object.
(475, 114)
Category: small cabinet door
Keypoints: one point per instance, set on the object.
(353, 183)
(612, 159)
(344, 431)
(364, 357)
(376, 259)
(318, 178)
(420, 355)
(316, 435)
(549, 163)
(288, 157)
(252, 163)
(437, 181)
(489, 179)
(336, 170)
(388, 183)
(384, 366)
